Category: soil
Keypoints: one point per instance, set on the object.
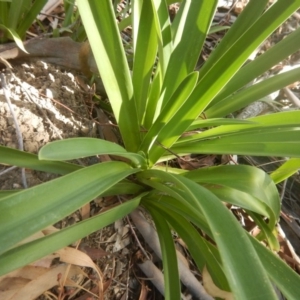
(49, 105)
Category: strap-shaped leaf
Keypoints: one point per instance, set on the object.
(246, 19)
(81, 147)
(286, 170)
(145, 50)
(244, 275)
(251, 94)
(22, 159)
(30, 210)
(203, 123)
(276, 141)
(286, 119)
(261, 64)
(163, 27)
(267, 232)
(186, 209)
(214, 78)
(286, 279)
(169, 258)
(189, 28)
(29, 14)
(27, 253)
(165, 48)
(102, 31)
(202, 251)
(244, 186)
(15, 36)
(160, 130)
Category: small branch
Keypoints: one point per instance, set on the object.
(291, 96)
(18, 131)
(7, 170)
(155, 276)
(151, 237)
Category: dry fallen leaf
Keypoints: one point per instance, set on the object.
(42, 279)
(76, 257)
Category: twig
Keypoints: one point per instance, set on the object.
(282, 193)
(7, 170)
(291, 96)
(18, 131)
(151, 237)
(137, 239)
(134, 234)
(155, 276)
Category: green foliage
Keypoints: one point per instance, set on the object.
(162, 99)
(16, 16)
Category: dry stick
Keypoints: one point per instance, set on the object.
(134, 234)
(291, 96)
(186, 276)
(155, 275)
(282, 193)
(18, 131)
(137, 239)
(7, 170)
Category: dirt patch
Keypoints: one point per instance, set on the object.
(49, 105)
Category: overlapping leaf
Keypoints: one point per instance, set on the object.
(111, 61)
(25, 212)
(225, 236)
(27, 253)
(83, 147)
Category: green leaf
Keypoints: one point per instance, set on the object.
(15, 13)
(190, 27)
(27, 253)
(267, 232)
(169, 258)
(164, 34)
(249, 95)
(161, 129)
(165, 48)
(182, 206)
(124, 187)
(286, 170)
(214, 29)
(218, 71)
(31, 210)
(15, 36)
(259, 141)
(261, 64)
(245, 276)
(27, 160)
(3, 19)
(200, 123)
(32, 9)
(283, 120)
(246, 19)
(286, 279)
(111, 61)
(202, 252)
(245, 186)
(5, 193)
(276, 134)
(145, 49)
(81, 147)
